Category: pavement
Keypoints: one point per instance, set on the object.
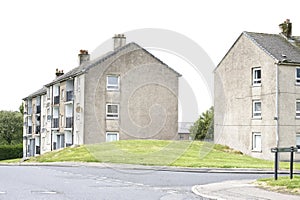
(228, 190)
(239, 190)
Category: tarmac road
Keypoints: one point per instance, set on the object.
(106, 182)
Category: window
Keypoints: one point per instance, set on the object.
(62, 94)
(256, 76)
(298, 139)
(256, 141)
(112, 82)
(298, 75)
(112, 136)
(256, 109)
(297, 108)
(112, 111)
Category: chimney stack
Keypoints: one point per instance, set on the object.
(59, 72)
(119, 40)
(83, 56)
(286, 28)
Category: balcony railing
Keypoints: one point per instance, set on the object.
(38, 109)
(55, 123)
(69, 95)
(56, 100)
(29, 130)
(37, 129)
(69, 122)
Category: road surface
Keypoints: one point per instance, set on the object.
(85, 182)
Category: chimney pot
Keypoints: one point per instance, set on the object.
(83, 56)
(119, 40)
(286, 28)
(59, 72)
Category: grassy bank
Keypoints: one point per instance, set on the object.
(284, 184)
(159, 152)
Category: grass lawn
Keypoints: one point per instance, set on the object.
(16, 160)
(284, 184)
(78, 154)
(159, 152)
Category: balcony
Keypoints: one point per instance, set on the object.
(69, 122)
(55, 123)
(38, 109)
(56, 100)
(37, 150)
(29, 130)
(70, 95)
(37, 129)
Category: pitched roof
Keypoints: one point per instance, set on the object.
(277, 46)
(39, 92)
(89, 64)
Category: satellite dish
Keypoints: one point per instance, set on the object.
(78, 109)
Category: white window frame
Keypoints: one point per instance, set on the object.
(297, 139)
(255, 145)
(256, 81)
(297, 79)
(297, 111)
(112, 87)
(256, 113)
(112, 133)
(112, 115)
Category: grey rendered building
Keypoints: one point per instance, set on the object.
(125, 94)
(257, 93)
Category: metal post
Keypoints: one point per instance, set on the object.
(291, 162)
(276, 164)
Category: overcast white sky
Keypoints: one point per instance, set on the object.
(38, 37)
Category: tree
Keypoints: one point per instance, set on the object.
(203, 128)
(11, 125)
(21, 109)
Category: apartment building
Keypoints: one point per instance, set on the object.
(125, 94)
(257, 93)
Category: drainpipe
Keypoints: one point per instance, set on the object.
(277, 104)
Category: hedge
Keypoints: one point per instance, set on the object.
(11, 151)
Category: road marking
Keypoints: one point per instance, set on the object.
(44, 192)
(49, 192)
(2, 192)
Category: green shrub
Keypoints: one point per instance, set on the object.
(11, 151)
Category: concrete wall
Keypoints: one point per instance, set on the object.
(289, 93)
(147, 98)
(45, 124)
(79, 90)
(234, 95)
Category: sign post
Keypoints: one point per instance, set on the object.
(275, 150)
(283, 149)
(292, 162)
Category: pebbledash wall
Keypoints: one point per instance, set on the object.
(257, 94)
(125, 94)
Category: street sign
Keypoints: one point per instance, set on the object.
(284, 149)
